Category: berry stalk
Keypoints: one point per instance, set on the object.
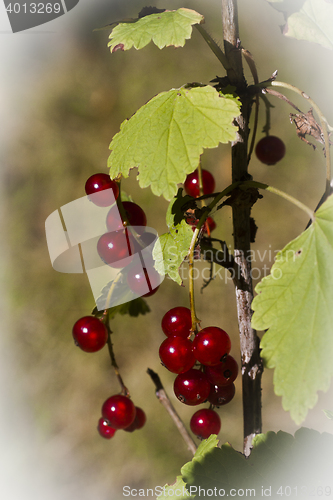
(124, 389)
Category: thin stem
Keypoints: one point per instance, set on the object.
(251, 64)
(323, 123)
(282, 194)
(213, 46)
(123, 387)
(165, 401)
(111, 290)
(194, 318)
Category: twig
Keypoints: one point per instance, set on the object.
(249, 342)
(213, 46)
(165, 401)
(124, 389)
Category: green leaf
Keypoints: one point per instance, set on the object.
(177, 490)
(313, 22)
(180, 205)
(166, 137)
(164, 29)
(278, 462)
(295, 304)
(171, 248)
(132, 307)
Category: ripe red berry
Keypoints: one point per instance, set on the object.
(270, 150)
(176, 354)
(220, 396)
(224, 373)
(119, 410)
(105, 429)
(116, 246)
(209, 225)
(204, 423)
(90, 334)
(139, 421)
(98, 183)
(177, 322)
(192, 387)
(210, 345)
(143, 281)
(135, 217)
(191, 184)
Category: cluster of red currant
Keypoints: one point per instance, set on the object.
(205, 370)
(125, 236)
(212, 381)
(89, 332)
(119, 412)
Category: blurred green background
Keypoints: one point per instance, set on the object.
(69, 114)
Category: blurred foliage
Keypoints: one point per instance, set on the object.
(75, 108)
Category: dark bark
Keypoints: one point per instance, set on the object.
(241, 209)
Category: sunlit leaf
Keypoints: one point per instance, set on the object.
(295, 304)
(172, 247)
(164, 29)
(310, 20)
(166, 137)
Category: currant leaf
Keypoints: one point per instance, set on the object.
(181, 203)
(312, 22)
(163, 28)
(295, 304)
(176, 490)
(165, 138)
(133, 308)
(277, 461)
(171, 248)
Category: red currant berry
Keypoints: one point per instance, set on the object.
(135, 217)
(209, 225)
(204, 423)
(143, 281)
(139, 421)
(191, 184)
(210, 345)
(270, 150)
(105, 429)
(98, 183)
(220, 396)
(176, 354)
(192, 387)
(224, 373)
(116, 246)
(90, 334)
(119, 410)
(177, 322)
